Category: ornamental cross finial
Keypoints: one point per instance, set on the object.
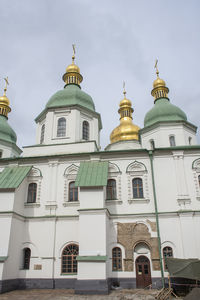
(124, 91)
(156, 67)
(7, 83)
(74, 51)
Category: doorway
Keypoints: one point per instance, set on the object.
(143, 272)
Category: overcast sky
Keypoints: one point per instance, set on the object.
(116, 41)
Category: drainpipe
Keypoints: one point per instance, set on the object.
(157, 220)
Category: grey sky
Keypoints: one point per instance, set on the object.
(116, 40)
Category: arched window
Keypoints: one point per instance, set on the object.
(190, 140)
(172, 141)
(116, 259)
(167, 252)
(199, 180)
(137, 188)
(42, 134)
(1, 153)
(152, 144)
(61, 128)
(85, 130)
(26, 258)
(73, 192)
(69, 262)
(111, 189)
(32, 193)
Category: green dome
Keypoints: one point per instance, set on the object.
(164, 111)
(71, 95)
(6, 132)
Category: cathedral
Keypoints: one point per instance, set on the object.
(75, 217)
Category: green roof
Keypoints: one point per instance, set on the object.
(164, 111)
(71, 95)
(12, 177)
(6, 132)
(92, 174)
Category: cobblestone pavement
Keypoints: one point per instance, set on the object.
(69, 295)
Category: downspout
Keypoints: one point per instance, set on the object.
(157, 219)
(54, 250)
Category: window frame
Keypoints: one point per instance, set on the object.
(61, 129)
(117, 260)
(74, 192)
(26, 258)
(138, 188)
(42, 132)
(85, 130)
(166, 254)
(112, 189)
(74, 264)
(32, 192)
(172, 141)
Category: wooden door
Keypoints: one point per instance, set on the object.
(143, 272)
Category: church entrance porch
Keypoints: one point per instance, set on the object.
(143, 272)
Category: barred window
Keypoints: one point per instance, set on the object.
(111, 189)
(116, 259)
(61, 128)
(137, 188)
(42, 134)
(167, 252)
(85, 130)
(69, 262)
(32, 193)
(73, 192)
(26, 258)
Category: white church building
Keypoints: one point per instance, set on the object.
(73, 216)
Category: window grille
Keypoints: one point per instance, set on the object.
(116, 259)
(111, 189)
(32, 193)
(61, 128)
(85, 130)
(69, 262)
(167, 252)
(26, 258)
(137, 188)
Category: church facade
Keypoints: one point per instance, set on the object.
(73, 216)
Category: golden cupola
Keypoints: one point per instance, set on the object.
(126, 130)
(72, 75)
(159, 86)
(4, 102)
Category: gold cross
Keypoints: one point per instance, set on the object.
(156, 67)
(7, 83)
(124, 92)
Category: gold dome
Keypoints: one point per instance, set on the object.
(158, 82)
(4, 102)
(126, 130)
(73, 68)
(72, 75)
